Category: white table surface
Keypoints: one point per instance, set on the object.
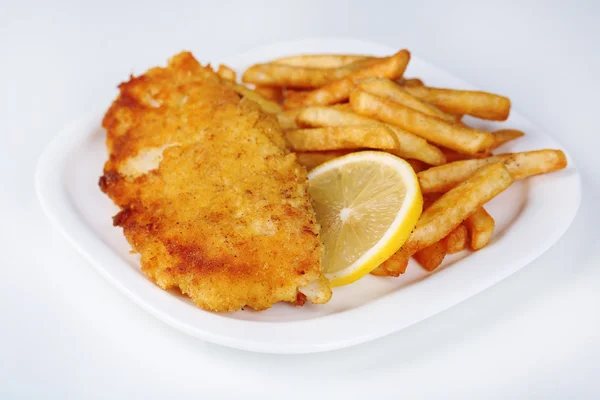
(66, 333)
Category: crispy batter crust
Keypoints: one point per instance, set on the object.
(209, 195)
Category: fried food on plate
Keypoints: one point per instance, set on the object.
(456, 241)
(520, 166)
(390, 90)
(476, 103)
(480, 226)
(321, 60)
(410, 82)
(281, 75)
(209, 195)
(453, 155)
(451, 209)
(274, 94)
(339, 90)
(287, 119)
(502, 136)
(278, 75)
(392, 267)
(432, 256)
(341, 138)
(410, 146)
(447, 212)
(445, 133)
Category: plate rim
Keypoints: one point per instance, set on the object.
(55, 158)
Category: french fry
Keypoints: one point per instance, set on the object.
(456, 241)
(397, 263)
(453, 155)
(342, 137)
(480, 226)
(520, 166)
(451, 209)
(270, 93)
(296, 77)
(409, 145)
(505, 135)
(478, 104)
(339, 90)
(331, 116)
(294, 99)
(280, 75)
(393, 266)
(321, 60)
(385, 88)
(432, 256)
(226, 73)
(342, 107)
(313, 159)
(445, 133)
(410, 82)
(287, 119)
(267, 106)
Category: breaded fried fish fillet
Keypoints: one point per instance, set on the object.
(209, 195)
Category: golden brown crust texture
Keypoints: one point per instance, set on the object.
(209, 195)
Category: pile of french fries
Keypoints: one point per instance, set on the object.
(329, 105)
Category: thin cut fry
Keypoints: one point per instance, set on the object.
(520, 166)
(270, 93)
(342, 107)
(393, 266)
(432, 256)
(453, 155)
(451, 209)
(296, 77)
(280, 75)
(410, 82)
(409, 145)
(480, 226)
(456, 241)
(267, 106)
(445, 133)
(342, 137)
(226, 73)
(313, 159)
(287, 119)
(478, 104)
(385, 88)
(294, 99)
(337, 91)
(321, 60)
(505, 135)
(329, 116)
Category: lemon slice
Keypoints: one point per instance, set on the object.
(367, 204)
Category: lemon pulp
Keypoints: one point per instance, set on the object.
(367, 204)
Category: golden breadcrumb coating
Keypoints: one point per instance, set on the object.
(209, 195)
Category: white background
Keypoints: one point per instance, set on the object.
(66, 333)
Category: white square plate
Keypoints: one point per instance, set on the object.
(530, 216)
